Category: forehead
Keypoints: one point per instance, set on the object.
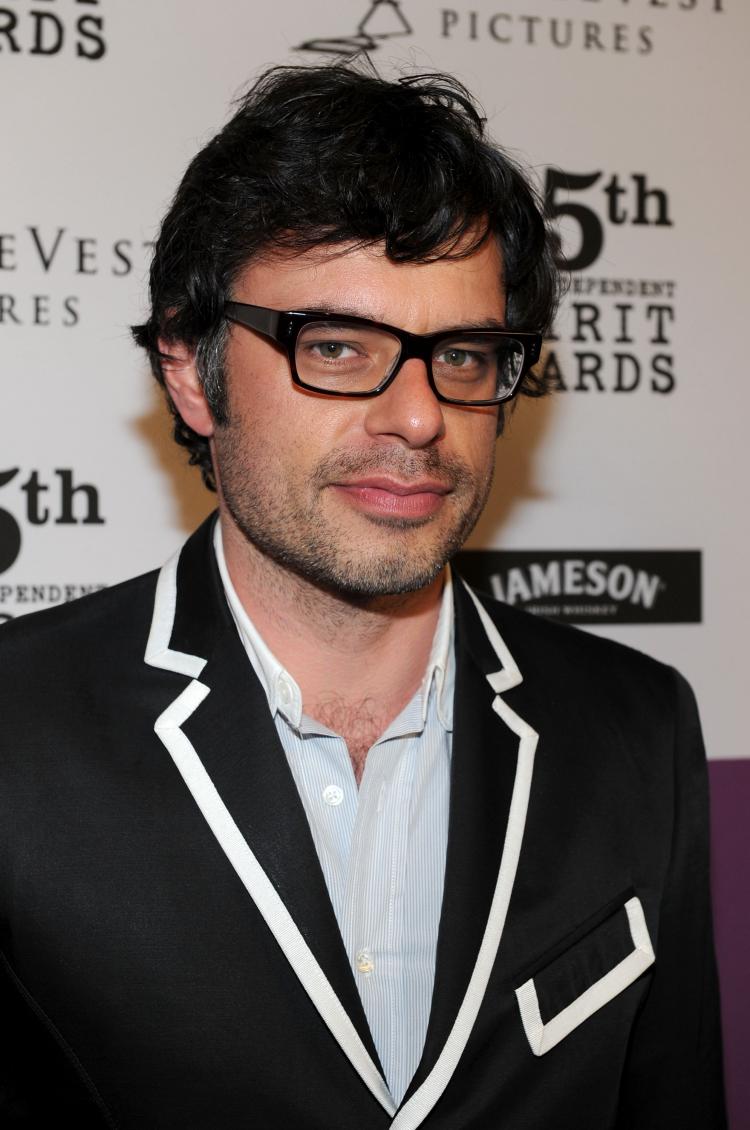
(364, 281)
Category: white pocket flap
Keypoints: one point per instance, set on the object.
(543, 1036)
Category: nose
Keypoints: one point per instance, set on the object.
(408, 410)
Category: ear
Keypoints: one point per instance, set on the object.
(184, 386)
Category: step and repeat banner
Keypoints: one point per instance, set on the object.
(620, 503)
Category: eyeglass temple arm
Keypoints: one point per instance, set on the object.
(533, 348)
(255, 317)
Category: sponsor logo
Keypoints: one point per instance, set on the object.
(62, 27)
(382, 21)
(57, 500)
(621, 26)
(616, 333)
(51, 254)
(592, 586)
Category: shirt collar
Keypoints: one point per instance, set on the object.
(440, 665)
(281, 688)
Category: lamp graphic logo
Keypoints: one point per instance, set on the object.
(383, 20)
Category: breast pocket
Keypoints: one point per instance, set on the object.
(585, 977)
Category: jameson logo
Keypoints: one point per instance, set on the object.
(53, 27)
(383, 20)
(28, 500)
(592, 586)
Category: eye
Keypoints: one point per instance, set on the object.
(332, 350)
(457, 358)
(462, 360)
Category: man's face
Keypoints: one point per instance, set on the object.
(366, 497)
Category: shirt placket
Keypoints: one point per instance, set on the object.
(374, 904)
(328, 790)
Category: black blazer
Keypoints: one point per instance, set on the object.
(173, 960)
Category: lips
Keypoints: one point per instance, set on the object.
(393, 486)
(388, 497)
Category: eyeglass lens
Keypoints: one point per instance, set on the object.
(352, 358)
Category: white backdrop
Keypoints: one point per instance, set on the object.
(106, 102)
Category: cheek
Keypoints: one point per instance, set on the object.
(474, 441)
(258, 412)
(279, 435)
(263, 399)
(258, 378)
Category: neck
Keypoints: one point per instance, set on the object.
(352, 658)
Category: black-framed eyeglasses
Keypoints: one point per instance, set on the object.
(343, 355)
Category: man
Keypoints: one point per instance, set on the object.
(301, 832)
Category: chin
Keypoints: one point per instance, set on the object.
(369, 577)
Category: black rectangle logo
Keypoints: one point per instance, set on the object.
(633, 586)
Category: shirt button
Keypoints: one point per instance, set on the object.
(333, 795)
(365, 964)
(285, 692)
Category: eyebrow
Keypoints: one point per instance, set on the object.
(488, 323)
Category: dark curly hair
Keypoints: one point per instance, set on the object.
(333, 154)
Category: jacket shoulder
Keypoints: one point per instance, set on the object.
(70, 637)
(568, 661)
(610, 696)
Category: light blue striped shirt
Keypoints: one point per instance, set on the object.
(381, 847)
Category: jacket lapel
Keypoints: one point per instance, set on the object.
(220, 733)
(493, 752)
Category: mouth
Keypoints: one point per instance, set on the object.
(386, 497)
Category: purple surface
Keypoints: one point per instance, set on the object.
(730, 867)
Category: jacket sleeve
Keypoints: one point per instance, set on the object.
(673, 1076)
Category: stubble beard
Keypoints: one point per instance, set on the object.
(392, 556)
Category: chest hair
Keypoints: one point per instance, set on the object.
(360, 724)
